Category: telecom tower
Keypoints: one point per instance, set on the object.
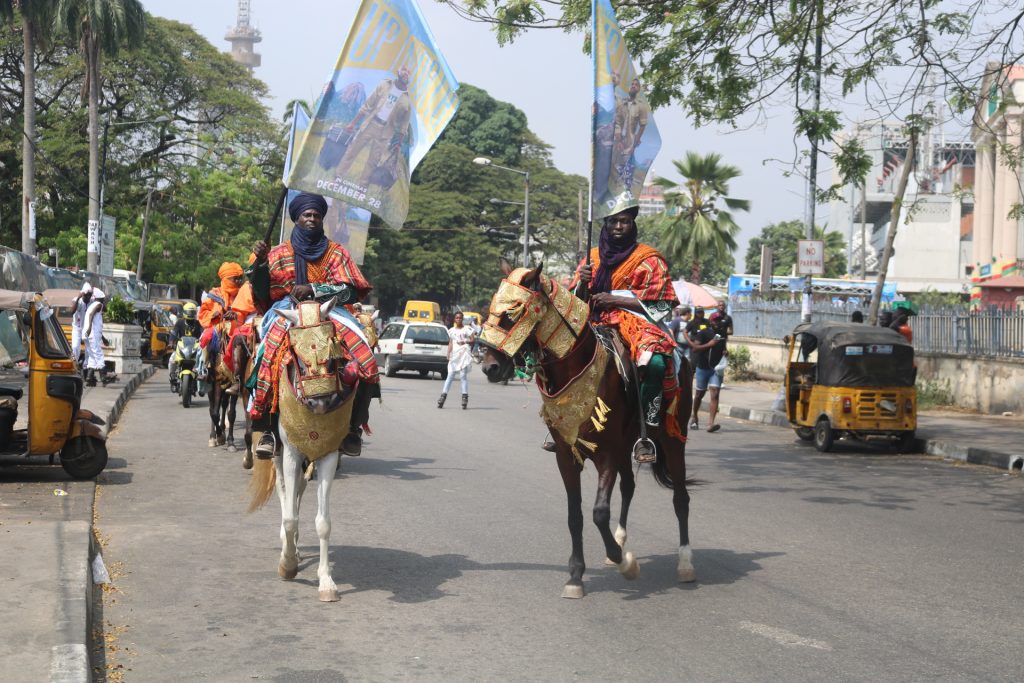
(243, 37)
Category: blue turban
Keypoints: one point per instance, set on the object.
(306, 200)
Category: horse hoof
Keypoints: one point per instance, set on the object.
(687, 575)
(247, 461)
(328, 596)
(620, 537)
(287, 574)
(232, 448)
(609, 562)
(629, 568)
(573, 591)
(220, 440)
(212, 443)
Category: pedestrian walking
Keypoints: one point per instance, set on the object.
(460, 359)
(681, 318)
(707, 343)
(78, 308)
(92, 332)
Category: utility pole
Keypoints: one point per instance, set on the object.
(812, 175)
(145, 230)
(863, 230)
(581, 238)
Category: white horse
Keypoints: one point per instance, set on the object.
(314, 411)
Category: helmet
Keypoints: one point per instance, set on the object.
(189, 310)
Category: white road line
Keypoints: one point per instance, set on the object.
(783, 637)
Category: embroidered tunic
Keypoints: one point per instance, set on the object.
(335, 267)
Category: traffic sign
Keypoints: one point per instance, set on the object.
(810, 257)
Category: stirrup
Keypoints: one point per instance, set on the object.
(645, 450)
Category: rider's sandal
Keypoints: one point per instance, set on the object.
(645, 451)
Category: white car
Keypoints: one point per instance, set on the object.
(413, 346)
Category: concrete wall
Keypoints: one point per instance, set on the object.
(988, 385)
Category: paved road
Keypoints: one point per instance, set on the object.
(449, 549)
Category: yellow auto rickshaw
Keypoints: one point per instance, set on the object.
(156, 332)
(35, 355)
(850, 380)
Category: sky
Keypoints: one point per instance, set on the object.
(545, 73)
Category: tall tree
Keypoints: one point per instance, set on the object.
(698, 223)
(36, 20)
(101, 27)
(782, 238)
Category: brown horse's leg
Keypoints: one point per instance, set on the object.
(675, 454)
(627, 486)
(570, 472)
(232, 402)
(603, 511)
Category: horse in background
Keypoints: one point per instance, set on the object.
(219, 379)
(315, 395)
(591, 411)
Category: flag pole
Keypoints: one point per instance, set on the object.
(277, 215)
(585, 291)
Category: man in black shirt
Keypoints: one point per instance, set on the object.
(725, 324)
(707, 345)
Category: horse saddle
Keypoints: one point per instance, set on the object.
(613, 342)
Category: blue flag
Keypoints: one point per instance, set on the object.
(345, 224)
(625, 139)
(389, 98)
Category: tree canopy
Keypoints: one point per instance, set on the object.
(206, 144)
(782, 238)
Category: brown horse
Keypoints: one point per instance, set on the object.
(592, 412)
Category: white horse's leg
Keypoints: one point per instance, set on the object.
(291, 464)
(685, 570)
(325, 468)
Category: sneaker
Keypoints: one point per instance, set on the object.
(265, 448)
(694, 425)
(352, 445)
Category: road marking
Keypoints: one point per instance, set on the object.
(783, 637)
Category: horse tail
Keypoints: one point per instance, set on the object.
(660, 470)
(261, 483)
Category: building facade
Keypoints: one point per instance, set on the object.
(998, 245)
(932, 250)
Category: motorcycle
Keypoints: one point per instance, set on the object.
(188, 360)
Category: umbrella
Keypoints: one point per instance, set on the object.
(690, 294)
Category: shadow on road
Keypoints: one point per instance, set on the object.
(409, 577)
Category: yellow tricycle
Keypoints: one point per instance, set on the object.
(35, 356)
(850, 381)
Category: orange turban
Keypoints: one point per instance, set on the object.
(229, 269)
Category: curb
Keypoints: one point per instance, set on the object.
(69, 659)
(126, 393)
(1012, 462)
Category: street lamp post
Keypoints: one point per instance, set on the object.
(107, 125)
(484, 161)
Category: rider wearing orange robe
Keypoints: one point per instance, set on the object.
(622, 263)
(308, 258)
(216, 312)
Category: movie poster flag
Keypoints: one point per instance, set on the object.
(345, 224)
(625, 139)
(389, 98)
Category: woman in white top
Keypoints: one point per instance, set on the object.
(460, 359)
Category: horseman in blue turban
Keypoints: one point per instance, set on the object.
(310, 258)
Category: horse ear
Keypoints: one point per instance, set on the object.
(325, 307)
(289, 314)
(506, 267)
(532, 279)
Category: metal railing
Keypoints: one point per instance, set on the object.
(995, 333)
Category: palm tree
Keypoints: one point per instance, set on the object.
(697, 221)
(101, 26)
(36, 20)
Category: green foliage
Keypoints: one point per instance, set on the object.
(214, 163)
(934, 393)
(739, 363)
(723, 60)
(783, 237)
(697, 225)
(119, 311)
(931, 297)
